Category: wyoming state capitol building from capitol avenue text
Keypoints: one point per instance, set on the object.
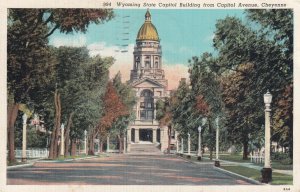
(147, 78)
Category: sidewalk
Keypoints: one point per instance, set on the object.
(249, 165)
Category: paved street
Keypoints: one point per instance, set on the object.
(122, 170)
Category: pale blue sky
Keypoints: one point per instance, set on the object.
(183, 33)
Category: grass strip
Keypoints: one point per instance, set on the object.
(277, 178)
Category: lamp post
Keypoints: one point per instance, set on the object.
(217, 162)
(189, 143)
(199, 140)
(62, 140)
(85, 148)
(267, 170)
(24, 117)
(199, 144)
(182, 148)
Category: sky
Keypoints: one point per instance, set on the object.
(183, 34)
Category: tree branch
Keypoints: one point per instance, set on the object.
(52, 31)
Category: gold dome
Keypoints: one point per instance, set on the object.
(147, 30)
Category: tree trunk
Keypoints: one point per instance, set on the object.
(12, 113)
(120, 144)
(245, 150)
(91, 144)
(67, 134)
(101, 146)
(53, 151)
(169, 140)
(73, 147)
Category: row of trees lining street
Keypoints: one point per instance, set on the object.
(253, 56)
(62, 85)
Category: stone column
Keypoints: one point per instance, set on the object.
(136, 135)
(107, 144)
(24, 141)
(154, 135)
(154, 107)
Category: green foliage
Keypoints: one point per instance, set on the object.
(255, 57)
(35, 139)
(127, 95)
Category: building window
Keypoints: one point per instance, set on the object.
(146, 114)
(173, 134)
(142, 105)
(146, 93)
(156, 64)
(147, 64)
(149, 105)
(143, 114)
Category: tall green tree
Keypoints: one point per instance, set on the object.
(206, 88)
(30, 62)
(265, 42)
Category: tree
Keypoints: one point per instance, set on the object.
(128, 98)
(206, 90)
(114, 108)
(268, 47)
(164, 116)
(30, 63)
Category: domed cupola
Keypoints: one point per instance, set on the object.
(148, 30)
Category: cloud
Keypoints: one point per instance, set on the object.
(69, 40)
(124, 63)
(174, 72)
(124, 60)
(209, 38)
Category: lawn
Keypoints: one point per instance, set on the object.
(239, 158)
(230, 157)
(278, 178)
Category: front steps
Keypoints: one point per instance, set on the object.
(144, 148)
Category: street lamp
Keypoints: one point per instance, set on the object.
(267, 170)
(199, 144)
(85, 149)
(199, 140)
(189, 143)
(62, 140)
(24, 117)
(217, 162)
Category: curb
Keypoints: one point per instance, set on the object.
(19, 166)
(66, 160)
(235, 175)
(46, 161)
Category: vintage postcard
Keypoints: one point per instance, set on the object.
(150, 95)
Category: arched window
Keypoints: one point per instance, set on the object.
(146, 93)
(146, 105)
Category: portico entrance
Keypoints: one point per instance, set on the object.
(145, 135)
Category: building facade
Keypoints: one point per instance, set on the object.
(147, 78)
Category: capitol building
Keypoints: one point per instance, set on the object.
(147, 78)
